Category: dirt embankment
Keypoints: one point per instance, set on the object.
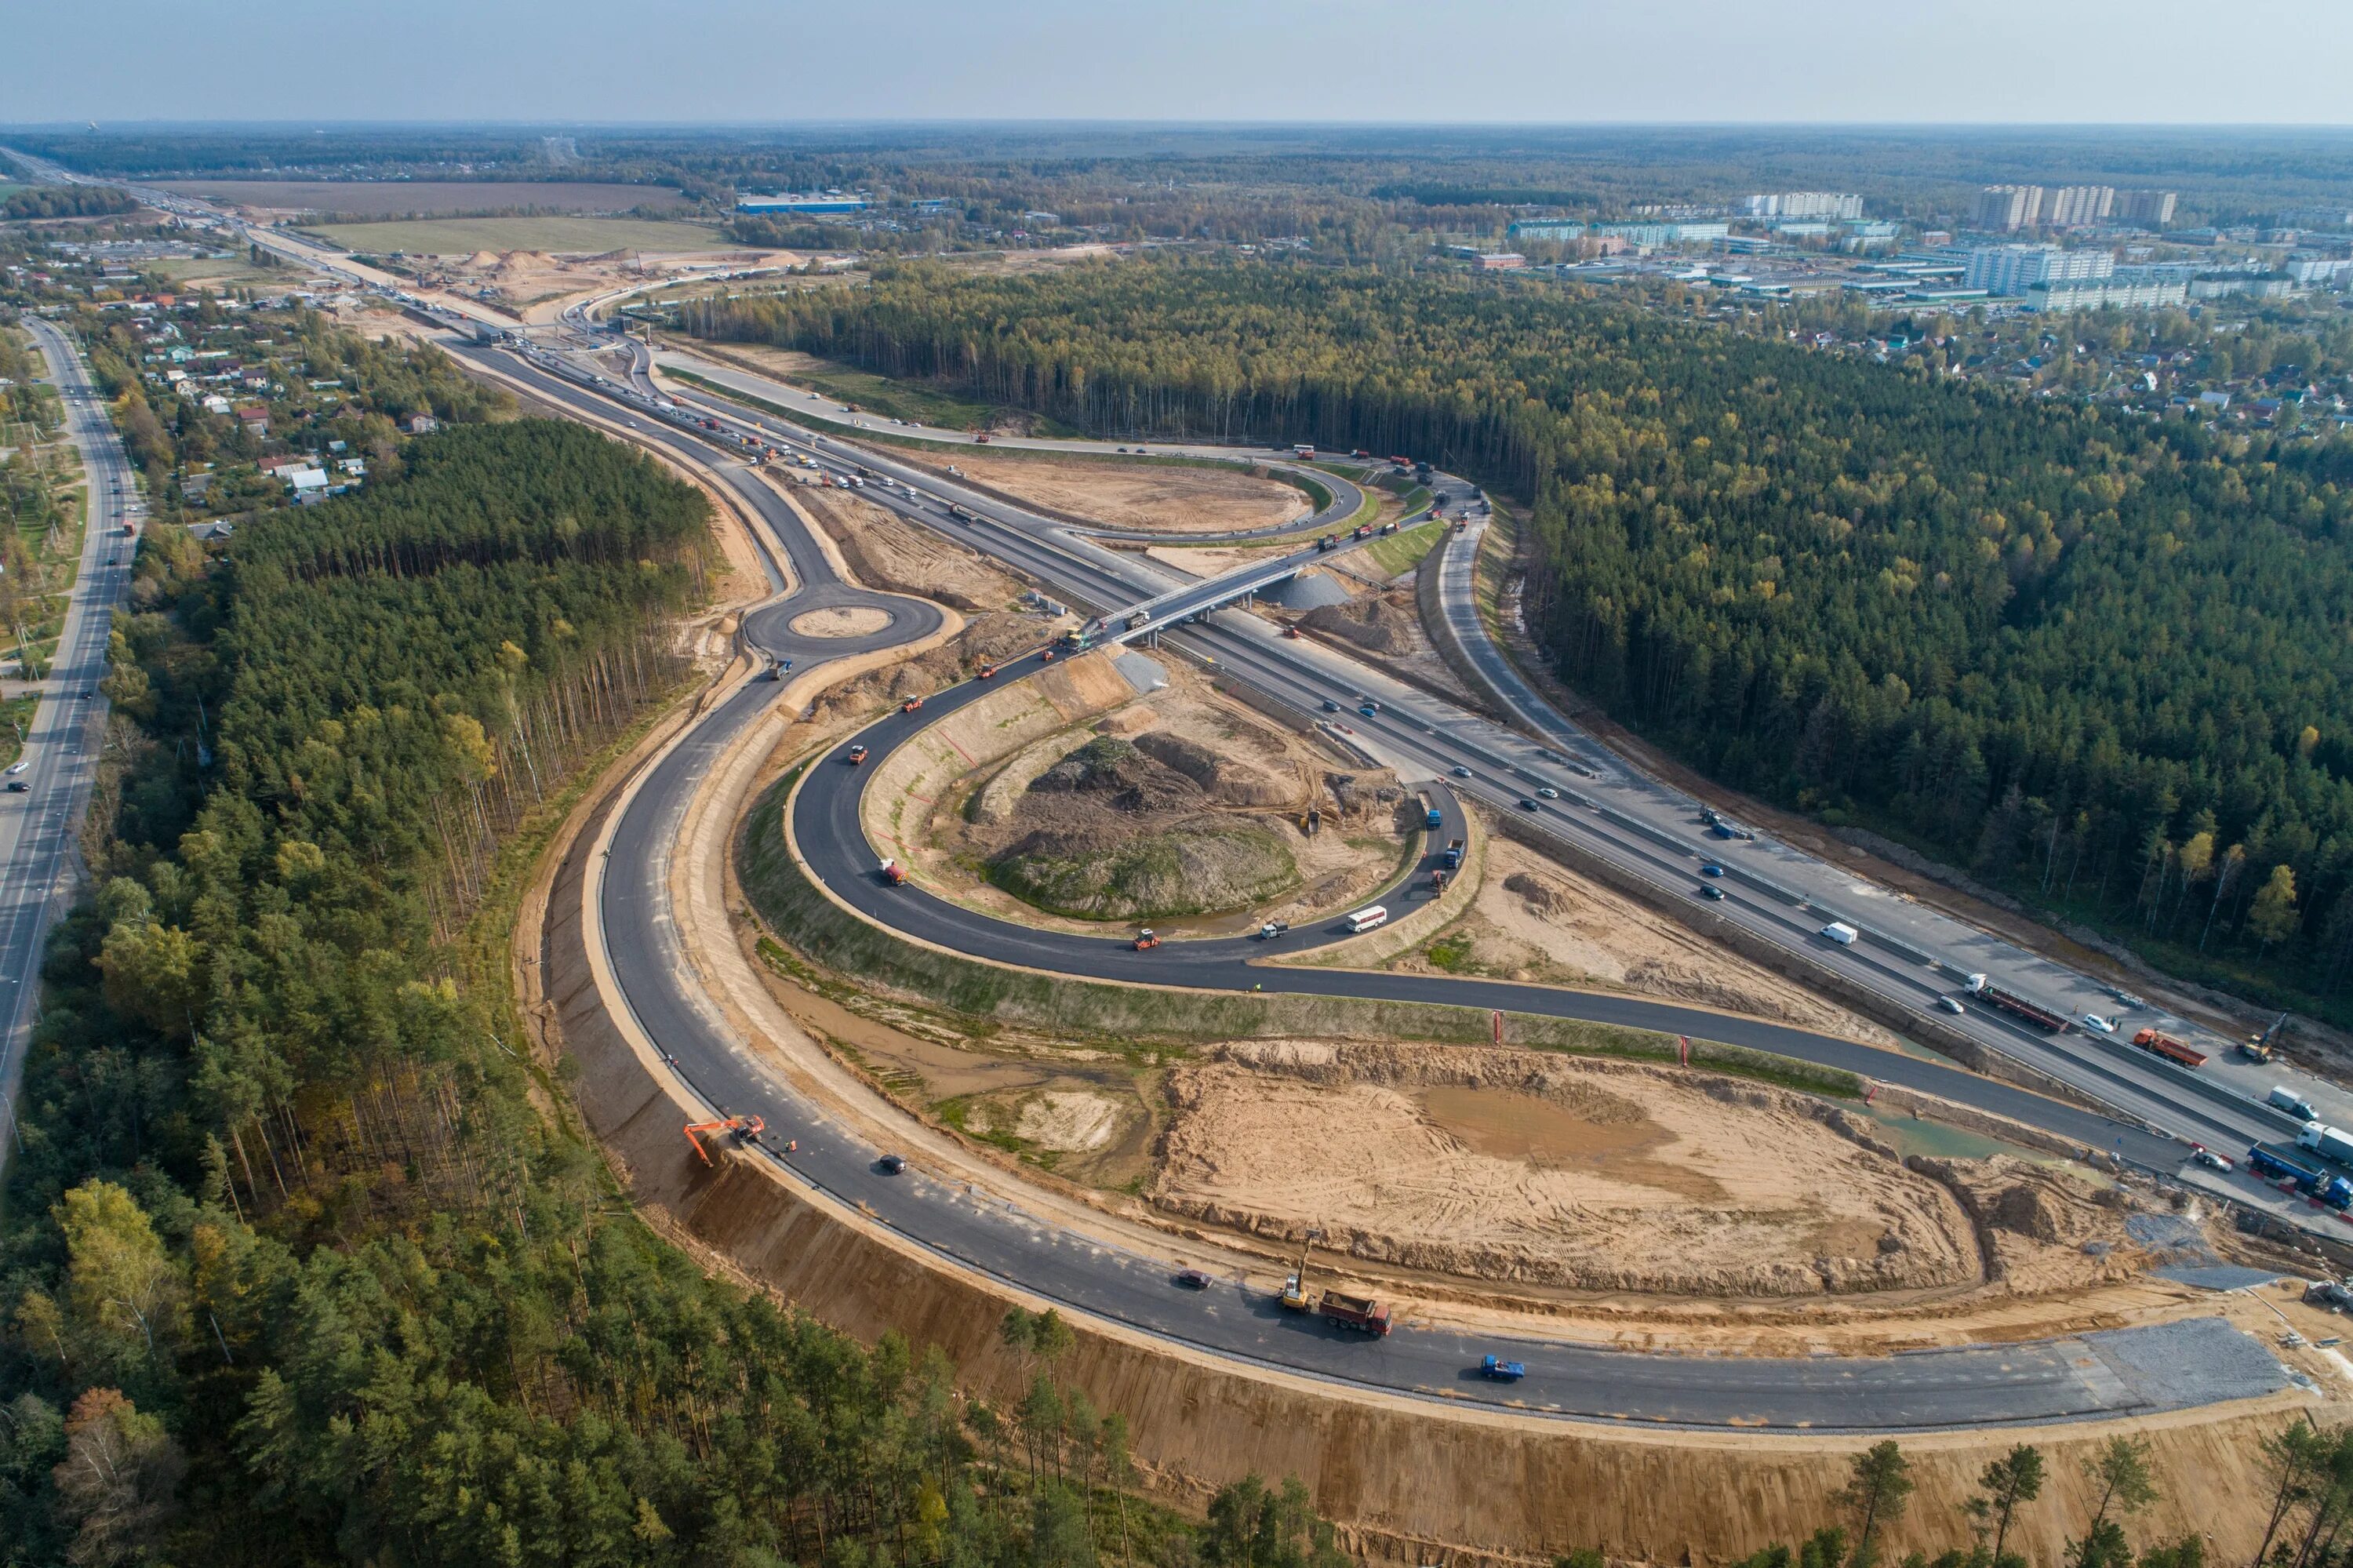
(1548, 1169)
(1111, 832)
(1144, 497)
(884, 552)
(1388, 625)
(1177, 805)
(1534, 919)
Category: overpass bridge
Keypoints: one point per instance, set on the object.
(1193, 601)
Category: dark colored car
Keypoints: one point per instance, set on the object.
(1192, 1280)
(1711, 869)
(1710, 890)
(1526, 804)
(890, 1164)
(17, 786)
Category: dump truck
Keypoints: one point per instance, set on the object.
(2169, 1048)
(1360, 1312)
(2018, 1006)
(893, 872)
(1453, 856)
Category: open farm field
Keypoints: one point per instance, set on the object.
(402, 198)
(567, 236)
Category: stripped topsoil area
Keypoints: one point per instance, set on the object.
(1146, 497)
(1534, 919)
(1553, 1170)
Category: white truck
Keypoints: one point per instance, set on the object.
(2328, 1142)
(2296, 1104)
(1844, 935)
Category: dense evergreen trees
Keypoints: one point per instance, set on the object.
(2102, 661)
(292, 1271)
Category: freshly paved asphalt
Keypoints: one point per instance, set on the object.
(2093, 1375)
(1979, 1385)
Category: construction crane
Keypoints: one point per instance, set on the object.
(740, 1129)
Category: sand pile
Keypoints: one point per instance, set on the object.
(1156, 498)
(1378, 623)
(1554, 1171)
(1534, 919)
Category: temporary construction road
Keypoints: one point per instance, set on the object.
(2123, 1371)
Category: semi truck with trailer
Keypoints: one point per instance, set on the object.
(2018, 1006)
(2296, 1167)
(2326, 1142)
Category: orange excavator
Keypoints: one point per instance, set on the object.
(740, 1129)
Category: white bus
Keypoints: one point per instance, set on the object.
(1367, 918)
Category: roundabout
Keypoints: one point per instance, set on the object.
(818, 822)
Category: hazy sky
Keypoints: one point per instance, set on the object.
(2135, 61)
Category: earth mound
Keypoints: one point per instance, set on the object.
(1371, 622)
(1113, 832)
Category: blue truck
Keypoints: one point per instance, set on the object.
(1433, 819)
(1501, 1371)
(1452, 858)
(2285, 1163)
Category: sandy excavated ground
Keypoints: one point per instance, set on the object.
(1158, 498)
(841, 621)
(1534, 919)
(1562, 1171)
(884, 552)
(1388, 625)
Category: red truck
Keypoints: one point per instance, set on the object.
(1355, 1312)
(2169, 1048)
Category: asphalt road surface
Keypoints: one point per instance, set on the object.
(60, 757)
(2080, 1377)
(2106, 1374)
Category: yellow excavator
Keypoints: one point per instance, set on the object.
(1295, 1295)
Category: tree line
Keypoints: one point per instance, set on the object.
(2096, 658)
(291, 1269)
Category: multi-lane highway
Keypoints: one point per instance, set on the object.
(2132, 1370)
(2076, 1377)
(1912, 956)
(61, 757)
